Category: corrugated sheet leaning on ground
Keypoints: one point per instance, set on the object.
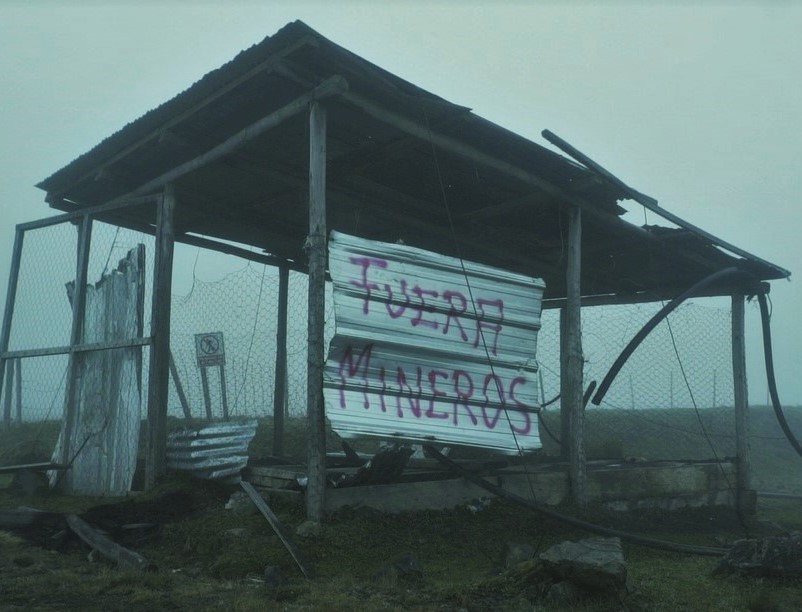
(431, 349)
(215, 451)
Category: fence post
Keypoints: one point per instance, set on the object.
(280, 382)
(316, 419)
(179, 388)
(76, 336)
(11, 295)
(572, 362)
(746, 496)
(18, 390)
(159, 370)
(9, 374)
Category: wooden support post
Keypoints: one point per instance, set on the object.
(179, 388)
(8, 313)
(573, 361)
(223, 391)
(565, 412)
(280, 383)
(207, 398)
(159, 378)
(316, 245)
(746, 496)
(18, 390)
(9, 391)
(76, 337)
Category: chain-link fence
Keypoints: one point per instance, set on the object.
(99, 373)
(243, 307)
(672, 400)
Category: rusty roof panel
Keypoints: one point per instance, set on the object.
(429, 348)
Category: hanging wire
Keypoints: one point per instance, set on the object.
(253, 337)
(447, 208)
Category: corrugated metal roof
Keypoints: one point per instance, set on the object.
(383, 180)
(429, 348)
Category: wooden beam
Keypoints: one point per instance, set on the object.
(77, 212)
(223, 391)
(454, 146)
(280, 381)
(571, 377)
(124, 557)
(76, 337)
(565, 412)
(159, 369)
(330, 87)
(207, 397)
(265, 66)
(179, 388)
(278, 527)
(11, 296)
(741, 396)
(316, 250)
(652, 205)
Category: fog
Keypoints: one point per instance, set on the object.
(697, 106)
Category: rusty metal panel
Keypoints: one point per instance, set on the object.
(431, 349)
(215, 451)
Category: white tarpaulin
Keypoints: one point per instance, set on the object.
(431, 349)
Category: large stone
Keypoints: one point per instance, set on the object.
(771, 556)
(595, 562)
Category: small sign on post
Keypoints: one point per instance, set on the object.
(210, 352)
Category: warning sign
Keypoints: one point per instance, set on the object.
(210, 350)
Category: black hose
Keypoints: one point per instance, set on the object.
(653, 322)
(769, 358)
(570, 520)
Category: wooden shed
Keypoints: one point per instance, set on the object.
(297, 136)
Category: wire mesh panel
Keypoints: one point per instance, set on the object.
(673, 399)
(42, 313)
(243, 307)
(44, 374)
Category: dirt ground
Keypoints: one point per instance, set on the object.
(205, 557)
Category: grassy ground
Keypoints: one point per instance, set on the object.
(210, 558)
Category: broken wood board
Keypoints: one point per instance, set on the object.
(275, 523)
(111, 550)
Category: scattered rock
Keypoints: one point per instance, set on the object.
(274, 578)
(518, 553)
(779, 556)
(309, 529)
(595, 562)
(240, 502)
(478, 505)
(405, 567)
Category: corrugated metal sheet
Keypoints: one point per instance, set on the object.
(216, 451)
(408, 360)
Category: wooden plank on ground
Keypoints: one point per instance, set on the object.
(275, 523)
(106, 547)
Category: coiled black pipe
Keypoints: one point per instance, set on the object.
(724, 274)
(769, 358)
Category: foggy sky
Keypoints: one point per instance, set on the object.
(697, 106)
